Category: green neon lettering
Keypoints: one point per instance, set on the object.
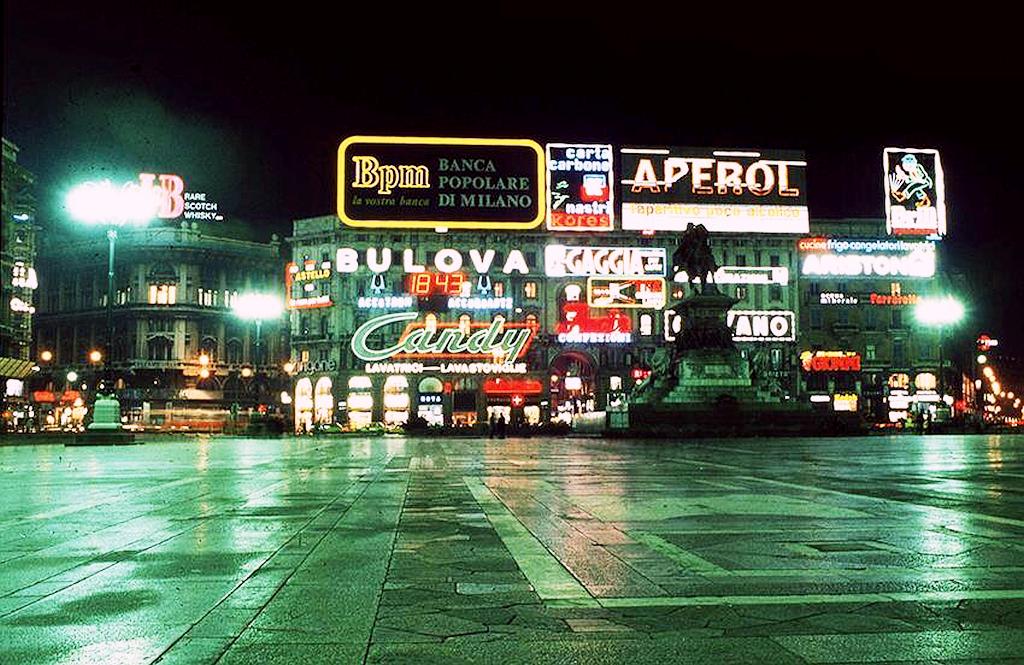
(359, 338)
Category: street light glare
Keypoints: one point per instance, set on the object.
(72, 376)
(100, 202)
(258, 306)
(939, 311)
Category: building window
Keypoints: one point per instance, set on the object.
(776, 358)
(499, 289)
(741, 291)
(775, 293)
(869, 318)
(741, 260)
(897, 353)
(531, 320)
(815, 319)
(233, 351)
(897, 318)
(465, 324)
(160, 348)
(646, 324)
(843, 316)
(163, 294)
(869, 352)
(774, 261)
(530, 290)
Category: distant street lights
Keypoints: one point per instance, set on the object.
(939, 313)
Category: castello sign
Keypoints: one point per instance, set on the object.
(426, 182)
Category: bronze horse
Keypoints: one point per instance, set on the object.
(693, 255)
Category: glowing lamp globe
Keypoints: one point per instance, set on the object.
(939, 311)
(258, 306)
(101, 202)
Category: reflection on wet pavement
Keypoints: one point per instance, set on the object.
(534, 550)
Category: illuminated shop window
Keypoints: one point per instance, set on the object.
(646, 324)
(323, 401)
(530, 290)
(163, 294)
(303, 404)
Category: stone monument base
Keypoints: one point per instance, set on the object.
(103, 438)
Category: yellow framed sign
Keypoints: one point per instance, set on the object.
(433, 182)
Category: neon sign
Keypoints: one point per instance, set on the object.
(445, 260)
(562, 261)
(579, 187)
(627, 292)
(830, 361)
(428, 182)
(423, 284)
(732, 191)
(579, 327)
(497, 340)
(841, 257)
(746, 275)
(384, 302)
(762, 326)
(23, 276)
(500, 386)
(836, 298)
(480, 303)
(300, 283)
(915, 200)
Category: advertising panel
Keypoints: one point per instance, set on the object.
(579, 187)
(627, 292)
(302, 285)
(563, 261)
(762, 325)
(425, 182)
(495, 347)
(830, 361)
(849, 257)
(728, 191)
(746, 275)
(915, 198)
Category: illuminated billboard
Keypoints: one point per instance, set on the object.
(762, 325)
(580, 187)
(915, 199)
(728, 191)
(628, 292)
(564, 261)
(418, 182)
(830, 361)
(303, 284)
(495, 347)
(745, 275)
(872, 258)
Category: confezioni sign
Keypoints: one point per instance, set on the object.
(848, 257)
(302, 282)
(563, 261)
(629, 292)
(745, 275)
(493, 347)
(411, 260)
(762, 325)
(426, 182)
(579, 326)
(728, 191)
(579, 187)
(915, 199)
(830, 361)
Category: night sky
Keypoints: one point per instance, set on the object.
(249, 104)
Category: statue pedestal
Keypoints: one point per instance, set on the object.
(105, 429)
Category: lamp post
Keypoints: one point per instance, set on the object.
(939, 313)
(258, 307)
(103, 204)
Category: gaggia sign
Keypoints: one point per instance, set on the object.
(915, 199)
(579, 187)
(728, 191)
(830, 361)
(418, 182)
(563, 261)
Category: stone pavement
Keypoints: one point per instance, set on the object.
(392, 550)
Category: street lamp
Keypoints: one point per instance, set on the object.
(939, 313)
(258, 307)
(101, 203)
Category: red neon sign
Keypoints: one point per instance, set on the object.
(422, 284)
(576, 317)
(306, 274)
(816, 244)
(503, 386)
(830, 361)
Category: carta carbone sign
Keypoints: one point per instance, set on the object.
(426, 182)
(489, 341)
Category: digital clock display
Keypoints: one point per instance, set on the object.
(423, 284)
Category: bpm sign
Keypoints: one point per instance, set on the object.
(563, 261)
(415, 182)
(664, 189)
(762, 326)
(579, 187)
(915, 195)
(627, 292)
(843, 257)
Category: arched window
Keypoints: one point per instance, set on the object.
(531, 319)
(430, 323)
(233, 351)
(465, 322)
(323, 401)
(208, 345)
(163, 284)
(160, 348)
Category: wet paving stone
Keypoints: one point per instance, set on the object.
(394, 550)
